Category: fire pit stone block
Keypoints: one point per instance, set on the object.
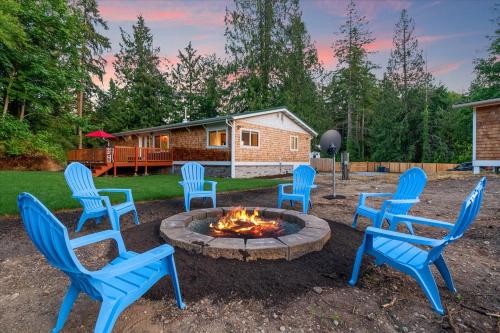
(185, 239)
(214, 212)
(311, 221)
(231, 248)
(265, 248)
(298, 245)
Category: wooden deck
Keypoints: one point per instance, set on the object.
(101, 160)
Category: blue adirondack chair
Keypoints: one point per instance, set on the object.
(397, 250)
(79, 179)
(194, 184)
(411, 184)
(117, 285)
(303, 182)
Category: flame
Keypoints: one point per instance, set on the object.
(240, 222)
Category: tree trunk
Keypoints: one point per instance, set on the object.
(23, 109)
(80, 115)
(5, 104)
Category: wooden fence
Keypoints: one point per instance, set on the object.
(326, 165)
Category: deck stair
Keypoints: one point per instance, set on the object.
(101, 169)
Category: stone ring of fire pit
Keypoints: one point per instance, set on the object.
(312, 236)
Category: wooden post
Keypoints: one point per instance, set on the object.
(136, 159)
(146, 162)
(114, 161)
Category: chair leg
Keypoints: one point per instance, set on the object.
(81, 222)
(445, 273)
(305, 206)
(214, 201)
(291, 203)
(187, 203)
(106, 319)
(280, 202)
(428, 284)
(357, 264)
(136, 217)
(98, 220)
(355, 222)
(66, 306)
(175, 281)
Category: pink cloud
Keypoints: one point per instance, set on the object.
(325, 55)
(196, 14)
(437, 38)
(446, 68)
(369, 8)
(381, 44)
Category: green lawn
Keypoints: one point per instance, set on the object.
(51, 188)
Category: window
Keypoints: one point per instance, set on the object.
(217, 138)
(294, 143)
(249, 138)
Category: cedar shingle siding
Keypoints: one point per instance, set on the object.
(488, 132)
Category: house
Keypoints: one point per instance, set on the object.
(485, 133)
(251, 144)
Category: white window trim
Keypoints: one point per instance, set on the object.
(249, 130)
(291, 140)
(218, 129)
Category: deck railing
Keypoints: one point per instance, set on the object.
(132, 155)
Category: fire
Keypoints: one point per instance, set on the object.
(240, 223)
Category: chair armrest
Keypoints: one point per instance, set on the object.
(98, 237)
(281, 187)
(314, 186)
(422, 220)
(135, 262)
(214, 184)
(127, 191)
(403, 237)
(393, 202)
(363, 196)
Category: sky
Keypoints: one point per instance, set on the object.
(452, 33)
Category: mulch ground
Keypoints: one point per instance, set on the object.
(272, 281)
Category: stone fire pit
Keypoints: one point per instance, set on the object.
(312, 235)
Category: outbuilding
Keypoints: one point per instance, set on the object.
(485, 133)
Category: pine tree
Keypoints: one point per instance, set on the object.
(255, 42)
(486, 84)
(406, 70)
(147, 95)
(300, 70)
(353, 78)
(91, 46)
(187, 79)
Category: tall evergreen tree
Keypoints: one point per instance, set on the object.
(406, 70)
(187, 79)
(255, 42)
(148, 97)
(353, 79)
(486, 84)
(91, 45)
(300, 70)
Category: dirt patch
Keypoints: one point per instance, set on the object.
(307, 294)
(25, 163)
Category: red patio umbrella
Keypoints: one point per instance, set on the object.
(100, 134)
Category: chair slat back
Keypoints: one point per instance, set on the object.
(468, 212)
(79, 179)
(303, 178)
(411, 184)
(48, 234)
(194, 175)
(470, 209)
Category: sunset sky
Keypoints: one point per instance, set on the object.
(451, 32)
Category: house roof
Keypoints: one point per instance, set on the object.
(485, 102)
(219, 119)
